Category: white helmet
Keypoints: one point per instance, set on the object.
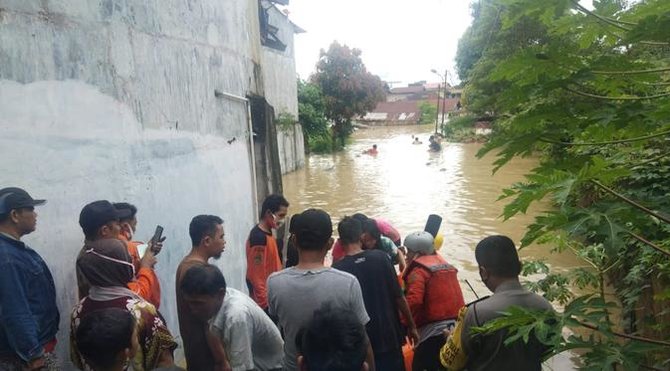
(420, 242)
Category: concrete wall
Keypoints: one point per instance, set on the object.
(114, 99)
(281, 90)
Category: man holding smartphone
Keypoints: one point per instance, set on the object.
(146, 282)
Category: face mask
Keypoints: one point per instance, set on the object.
(127, 230)
(91, 251)
(278, 222)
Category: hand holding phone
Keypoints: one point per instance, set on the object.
(156, 242)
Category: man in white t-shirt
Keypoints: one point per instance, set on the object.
(252, 341)
(295, 293)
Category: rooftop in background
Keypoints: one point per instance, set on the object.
(420, 87)
(408, 90)
(400, 112)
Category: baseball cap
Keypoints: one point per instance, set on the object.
(312, 228)
(98, 213)
(12, 198)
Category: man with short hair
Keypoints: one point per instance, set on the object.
(29, 316)
(295, 293)
(262, 250)
(382, 295)
(146, 282)
(207, 238)
(333, 340)
(499, 269)
(107, 338)
(100, 220)
(252, 340)
(434, 297)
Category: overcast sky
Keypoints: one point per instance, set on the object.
(400, 40)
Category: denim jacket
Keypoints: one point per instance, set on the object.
(28, 313)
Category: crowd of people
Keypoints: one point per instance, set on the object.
(379, 296)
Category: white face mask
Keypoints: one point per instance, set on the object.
(278, 222)
(127, 230)
(91, 251)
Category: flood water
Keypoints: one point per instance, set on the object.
(404, 183)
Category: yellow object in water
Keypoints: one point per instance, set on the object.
(439, 239)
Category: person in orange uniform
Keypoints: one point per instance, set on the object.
(146, 282)
(434, 297)
(262, 251)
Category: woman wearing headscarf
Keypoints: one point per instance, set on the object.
(107, 266)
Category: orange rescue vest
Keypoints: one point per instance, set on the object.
(443, 297)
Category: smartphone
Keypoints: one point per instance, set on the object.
(158, 234)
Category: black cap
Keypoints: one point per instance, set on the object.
(12, 198)
(98, 213)
(312, 228)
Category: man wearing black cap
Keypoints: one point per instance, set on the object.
(28, 313)
(100, 220)
(295, 293)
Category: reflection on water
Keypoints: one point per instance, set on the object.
(405, 183)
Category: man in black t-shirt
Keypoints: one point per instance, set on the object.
(381, 293)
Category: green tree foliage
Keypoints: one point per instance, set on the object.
(349, 90)
(312, 116)
(428, 112)
(589, 91)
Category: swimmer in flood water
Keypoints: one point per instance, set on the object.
(417, 141)
(371, 151)
(434, 145)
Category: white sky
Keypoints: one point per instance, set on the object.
(399, 40)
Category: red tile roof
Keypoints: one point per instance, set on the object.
(407, 111)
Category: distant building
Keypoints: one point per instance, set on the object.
(393, 113)
(402, 104)
(406, 93)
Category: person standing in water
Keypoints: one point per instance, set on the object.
(371, 151)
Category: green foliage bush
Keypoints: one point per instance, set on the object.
(588, 92)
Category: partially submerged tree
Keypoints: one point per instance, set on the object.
(311, 112)
(349, 90)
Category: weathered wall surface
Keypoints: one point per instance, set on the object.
(114, 99)
(281, 91)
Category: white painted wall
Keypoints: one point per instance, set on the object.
(281, 91)
(114, 99)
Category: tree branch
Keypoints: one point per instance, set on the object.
(637, 139)
(634, 72)
(630, 202)
(604, 97)
(650, 244)
(655, 158)
(616, 23)
(626, 336)
(603, 19)
(655, 43)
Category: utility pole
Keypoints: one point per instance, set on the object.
(439, 90)
(437, 114)
(444, 99)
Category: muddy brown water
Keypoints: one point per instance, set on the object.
(404, 183)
